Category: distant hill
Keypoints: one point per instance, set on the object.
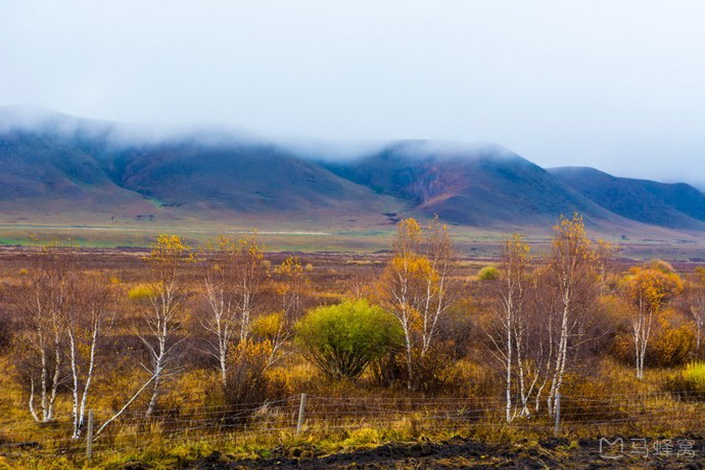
(42, 174)
(482, 185)
(238, 177)
(57, 167)
(678, 206)
(63, 165)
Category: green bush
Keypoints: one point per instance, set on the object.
(488, 273)
(690, 382)
(341, 340)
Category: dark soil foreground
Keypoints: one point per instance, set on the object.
(686, 452)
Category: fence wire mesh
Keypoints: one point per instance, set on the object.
(339, 417)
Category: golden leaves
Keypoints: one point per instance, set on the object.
(251, 350)
(650, 287)
(290, 267)
(169, 248)
(268, 326)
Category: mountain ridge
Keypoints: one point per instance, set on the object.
(674, 205)
(65, 165)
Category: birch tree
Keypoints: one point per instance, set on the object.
(539, 340)
(522, 330)
(85, 322)
(415, 285)
(509, 316)
(403, 283)
(44, 294)
(572, 271)
(161, 319)
(439, 292)
(233, 277)
(697, 307)
(648, 288)
(291, 283)
(267, 334)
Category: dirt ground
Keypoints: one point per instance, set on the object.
(686, 452)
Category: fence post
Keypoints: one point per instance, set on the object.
(302, 409)
(557, 426)
(89, 436)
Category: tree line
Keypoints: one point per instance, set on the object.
(540, 317)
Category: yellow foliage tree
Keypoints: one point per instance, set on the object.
(233, 275)
(415, 285)
(291, 282)
(169, 255)
(573, 273)
(648, 288)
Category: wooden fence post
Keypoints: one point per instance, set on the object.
(557, 426)
(89, 437)
(302, 409)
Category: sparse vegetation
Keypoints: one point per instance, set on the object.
(173, 347)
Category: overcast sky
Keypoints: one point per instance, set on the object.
(619, 85)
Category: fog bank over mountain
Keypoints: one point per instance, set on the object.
(59, 167)
(611, 85)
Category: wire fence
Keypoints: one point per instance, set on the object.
(311, 417)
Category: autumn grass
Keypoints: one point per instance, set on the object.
(600, 398)
(161, 452)
(658, 414)
(647, 410)
(694, 376)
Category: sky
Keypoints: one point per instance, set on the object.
(618, 85)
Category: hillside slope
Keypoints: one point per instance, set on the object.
(677, 206)
(49, 176)
(235, 177)
(61, 169)
(82, 171)
(482, 185)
